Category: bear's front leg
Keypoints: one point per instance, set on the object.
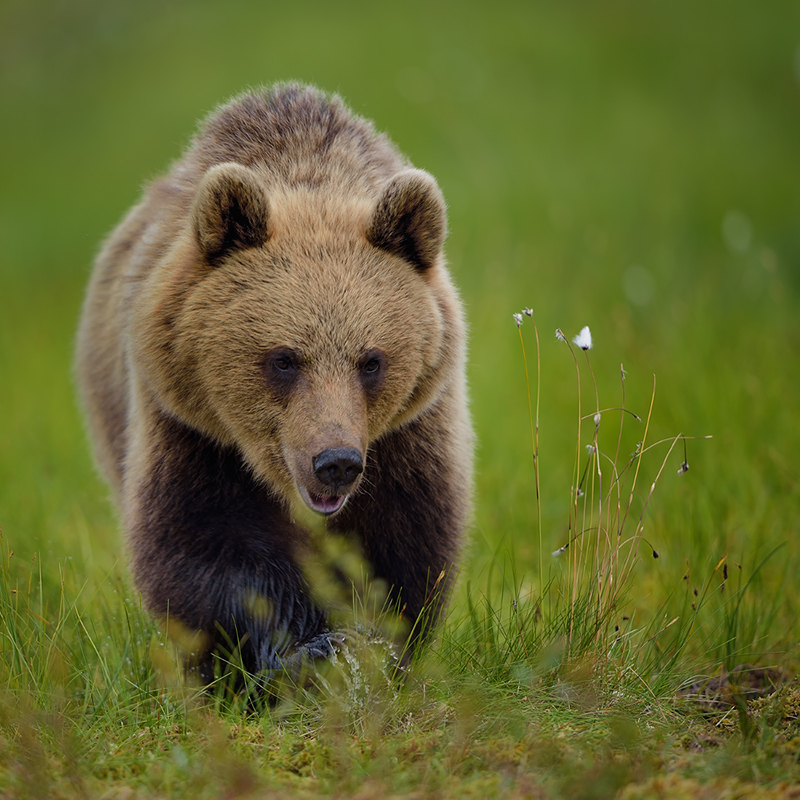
(411, 517)
(214, 551)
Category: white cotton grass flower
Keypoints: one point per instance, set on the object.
(528, 312)
(560, 335)
(518, 319)
(583, 339)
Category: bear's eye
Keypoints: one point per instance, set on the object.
(281, 369)
(283, 363)
(373, 371)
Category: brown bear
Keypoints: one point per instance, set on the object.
(271, 328)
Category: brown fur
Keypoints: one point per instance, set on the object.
(280, 295)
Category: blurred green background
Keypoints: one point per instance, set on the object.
(631, 166)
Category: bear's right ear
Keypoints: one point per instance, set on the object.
(410, 219)
(230, 211)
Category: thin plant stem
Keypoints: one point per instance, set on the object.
(534, 427)
(536, 455)
(574, 555)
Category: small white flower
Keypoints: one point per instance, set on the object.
(560, 335)
(597, 419)
(518, 319)
(557, 553)
(684, 468)
(528, 312)
(584, 338)
(590, 449)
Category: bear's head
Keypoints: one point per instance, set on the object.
(301, 323)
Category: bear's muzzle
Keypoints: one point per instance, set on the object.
(338, 470)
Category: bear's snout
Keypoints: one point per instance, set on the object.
(338, 467)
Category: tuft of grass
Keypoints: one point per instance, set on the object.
(605, 516)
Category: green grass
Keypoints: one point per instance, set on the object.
(631, 167)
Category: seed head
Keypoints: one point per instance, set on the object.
(528, 312)
(684, 468)
(560, 335)
(583, 339)
(518, 319)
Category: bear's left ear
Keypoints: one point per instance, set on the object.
(410, 219)
(230, 211)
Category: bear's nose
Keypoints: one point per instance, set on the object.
(338, 466)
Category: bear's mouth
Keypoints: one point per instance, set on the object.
(322, 503)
